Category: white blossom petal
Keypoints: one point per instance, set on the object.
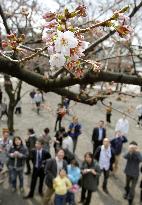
(57, 60)
(65, 41)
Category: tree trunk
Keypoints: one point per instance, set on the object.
(10, 120)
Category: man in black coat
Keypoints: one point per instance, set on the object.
(30, 143)
(38, 157)
(53, 166)
(99, 133)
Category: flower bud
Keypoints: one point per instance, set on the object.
(4, 44)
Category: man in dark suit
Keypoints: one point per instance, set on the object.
(38, 157)
(53, 166)
(99, 133)
(30, 143)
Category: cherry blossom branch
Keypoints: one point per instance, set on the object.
(37, 80)
(37, 52)
(33, 50)
(104, 23)
(96, 43)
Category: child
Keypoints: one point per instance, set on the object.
(61, 185)
(74, 175)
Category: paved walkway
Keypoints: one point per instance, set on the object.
(88, 116)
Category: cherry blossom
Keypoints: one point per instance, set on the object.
(123, 19)
(79, 72)
(65, 41)
(4, 44)
(47, 36)
(81, 10)
(51, 50)
(57, 60)
(83, 45)
(52, 25)
(49, 16)
(77, 52)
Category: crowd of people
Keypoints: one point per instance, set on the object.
(63, 173)
(54, 162)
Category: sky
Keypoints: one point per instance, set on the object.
(51, 4)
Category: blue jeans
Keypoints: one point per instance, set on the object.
(70, 198)
(13, 175)
(60, 199)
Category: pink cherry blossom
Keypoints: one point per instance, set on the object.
(123, 19)
(49, 16)
(52, 25)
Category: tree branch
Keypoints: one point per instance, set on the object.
(84, 98)
(4, 20)
(47, 85)
(136, 8)
(96, 43)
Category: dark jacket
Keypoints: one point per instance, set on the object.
(45, 155)
(51, 171)
(32, 94)
(19, 161)
(30, 142)
(117, 144)
(69, 156)
(112, 159)
(132, 165)
(141, 180)
(59, 137)
(95, 135)
(76, 128)
(89, 180)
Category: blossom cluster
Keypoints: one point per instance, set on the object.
(122, 25)
(65, 45)
(13, 41)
